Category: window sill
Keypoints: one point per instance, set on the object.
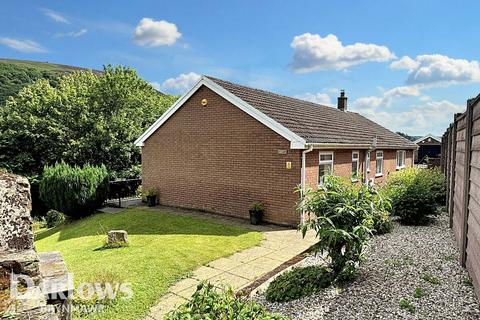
(378, 175)
(400, 168)
(354, 180)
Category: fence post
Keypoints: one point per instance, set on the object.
(446, 169)
(453, 146)
(466, 181)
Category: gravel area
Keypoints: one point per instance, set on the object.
(397, 264)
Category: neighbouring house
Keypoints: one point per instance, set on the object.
(222, 146)
(428, 146)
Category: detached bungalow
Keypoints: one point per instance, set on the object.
(222, 146)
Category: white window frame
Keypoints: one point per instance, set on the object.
(377, 158)
(367, 161)
(403, 154)
(357, 160)
(320, 162)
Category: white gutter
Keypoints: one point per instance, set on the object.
(303, 182)
(327, 146)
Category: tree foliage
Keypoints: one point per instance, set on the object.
(85, 119)
(13, 78)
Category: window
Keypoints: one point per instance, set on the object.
(325, 166)
(400, 159)
(367, 161)
(379, 163)
(355, 162)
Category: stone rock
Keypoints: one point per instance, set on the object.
(18, 255)
(117, 236)
(15, 220)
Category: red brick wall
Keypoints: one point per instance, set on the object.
(218, 158)
(389, 164)
(342, 164)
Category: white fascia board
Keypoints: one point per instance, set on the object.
(296, 142)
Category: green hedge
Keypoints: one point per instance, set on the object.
(415, 193)
(75, 191)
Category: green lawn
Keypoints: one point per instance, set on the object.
(163, 248)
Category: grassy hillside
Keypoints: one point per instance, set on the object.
(15, 74)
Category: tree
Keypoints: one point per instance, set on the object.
(408, 137)
(85, 119)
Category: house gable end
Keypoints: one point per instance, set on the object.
(296, 142)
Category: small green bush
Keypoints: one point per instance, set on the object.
(343, 220)
(299, 282)
(54, 218)
(211, 304)
(415, 193)
(75, 191)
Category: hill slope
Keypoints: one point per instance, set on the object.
(15, 74)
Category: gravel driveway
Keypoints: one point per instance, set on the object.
(397, 264)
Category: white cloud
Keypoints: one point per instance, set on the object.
(431, 116)
(436, 69)
(179, 84)
(27, 46)
(55, 16)
(405, 62)
(388, 97)
(73, 34)
(320, 98)
(314, 53)
(151, 33)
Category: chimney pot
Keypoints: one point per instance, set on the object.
(342, 101)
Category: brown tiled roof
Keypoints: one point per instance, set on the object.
(317, 123)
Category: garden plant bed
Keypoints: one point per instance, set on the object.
(397, 264)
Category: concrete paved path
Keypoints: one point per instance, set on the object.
(240, 269)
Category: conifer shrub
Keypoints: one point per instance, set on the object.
(75, 191)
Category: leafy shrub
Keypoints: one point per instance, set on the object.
(415, 193)
(75, 191)
(208, 303)
(257, 206)
(299, 282)
(150, 192)
(343, 221)
(54, 218)
(382, 222)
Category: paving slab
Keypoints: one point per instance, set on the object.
(240, 269)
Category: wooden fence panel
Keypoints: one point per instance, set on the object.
(472, 256)
(458, 214)
(461, 166)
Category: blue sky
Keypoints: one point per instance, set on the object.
(408, 65)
